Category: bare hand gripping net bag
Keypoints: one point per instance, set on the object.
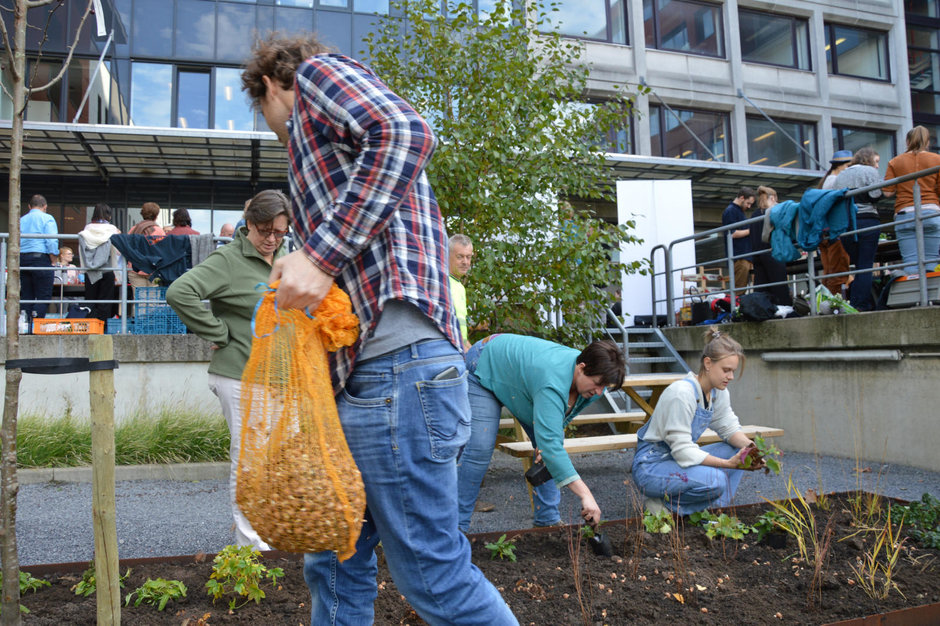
(297, 482)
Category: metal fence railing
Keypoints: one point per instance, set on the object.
(663, 268)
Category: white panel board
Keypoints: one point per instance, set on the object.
(662, 210)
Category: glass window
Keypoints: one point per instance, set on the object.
(232, 111)
(192, 105)
(151, 94)
(849, 138)
(670, 138)
(236, 26)
(334, 3)
(371, 6)
(195, 30)
(153, 29)
(222, 217)
(45, 105)
(684, 25)
(296, 3)
(294, 21)
(923, 8)
(774, 39)
(616, 139)
(857, 52)
(767, 145)
(590, 19)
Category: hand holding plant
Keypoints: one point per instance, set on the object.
(759, 454)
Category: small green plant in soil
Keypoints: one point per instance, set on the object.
(89, 584)
(923, 520)
(236, 570)
(759, 451)
(587, 532)
(722, 525)
(28, 582)
(502, 548)
(660, 522)
(767, 523)
(157, 592)
(799, 522)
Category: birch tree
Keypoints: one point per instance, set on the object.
(14, 62)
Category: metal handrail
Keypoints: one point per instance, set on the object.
(725, 231)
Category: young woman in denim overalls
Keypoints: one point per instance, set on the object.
(669, 468)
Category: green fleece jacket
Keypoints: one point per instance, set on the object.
(227, 279)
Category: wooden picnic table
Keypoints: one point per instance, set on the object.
(656, 383)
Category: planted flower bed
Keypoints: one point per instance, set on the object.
(838, 558)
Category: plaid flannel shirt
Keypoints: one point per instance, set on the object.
(362, 206)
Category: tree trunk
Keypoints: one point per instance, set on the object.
(8, 483)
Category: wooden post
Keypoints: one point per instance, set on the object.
(101, 392)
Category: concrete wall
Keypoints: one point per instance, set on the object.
(155, 372)
(874, 410)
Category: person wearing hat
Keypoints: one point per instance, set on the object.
(833, 256)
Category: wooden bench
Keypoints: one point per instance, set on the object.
(576, 445)
(596, 418)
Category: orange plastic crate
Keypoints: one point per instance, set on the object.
(78, 326)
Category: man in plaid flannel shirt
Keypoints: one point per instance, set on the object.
(365, 218)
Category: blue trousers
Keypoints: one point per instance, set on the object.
(404, 430)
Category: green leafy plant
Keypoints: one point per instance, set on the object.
(505, 93)
(503, 548)
(587, 532)
(765, 451)
(768, 522)
(28, 582)
(875, 568)
(157, 592)
(660, 522)
(89, 584)
(236, 570)
(923, 519)
(721, 525)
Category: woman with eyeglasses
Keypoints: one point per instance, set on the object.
(228, 279)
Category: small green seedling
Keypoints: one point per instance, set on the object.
(28, 582)
(503, 548)
(768, 452)
(587, 532)
(236, 570)
(923, 519)
(660, 522)
(157, 592)
(88, 584)
(768, 522)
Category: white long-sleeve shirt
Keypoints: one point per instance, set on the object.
(671, 421)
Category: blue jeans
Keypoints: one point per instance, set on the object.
(690, 489)
(862, 248)
(907, 241)
(474, 459)
(404, 430)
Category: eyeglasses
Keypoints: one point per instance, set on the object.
(267, 232)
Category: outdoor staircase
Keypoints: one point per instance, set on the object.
(646, 350)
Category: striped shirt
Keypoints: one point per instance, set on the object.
(362, 206)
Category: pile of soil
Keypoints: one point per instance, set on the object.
(681, 577)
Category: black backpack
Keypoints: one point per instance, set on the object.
(757, 307)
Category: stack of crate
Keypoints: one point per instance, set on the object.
(152, 315)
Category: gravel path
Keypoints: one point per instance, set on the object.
(170, 517)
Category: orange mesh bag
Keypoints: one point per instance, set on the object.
(297, 483)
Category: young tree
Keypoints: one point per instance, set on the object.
(14, 63)
(506, 95)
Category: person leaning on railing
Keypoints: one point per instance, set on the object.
(862, 172)
(917, 157)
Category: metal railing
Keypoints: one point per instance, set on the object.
(812, 276)
(120, 271)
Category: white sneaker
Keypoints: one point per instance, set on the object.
(654, 505)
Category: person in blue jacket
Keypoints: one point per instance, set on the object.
(544, 385)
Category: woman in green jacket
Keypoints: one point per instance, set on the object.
(228, 279)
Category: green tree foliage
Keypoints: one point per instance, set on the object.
(506, 95)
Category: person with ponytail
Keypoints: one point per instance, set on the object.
(670, 469)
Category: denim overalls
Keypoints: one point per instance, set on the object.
(690, 489)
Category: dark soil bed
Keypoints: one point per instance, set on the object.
(677, 578)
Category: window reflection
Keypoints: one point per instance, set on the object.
(857, 52)
(192, 104)
(369, 6)
(236, 23)
(581, 18)
(232, 111)
(45, 105)
(683, 25)
(195, 29)
(153, 28)
(151, 94)
(767, 145)
(670, 138)
(848, 138)
(774, 39)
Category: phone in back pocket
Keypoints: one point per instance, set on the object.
(450, 372)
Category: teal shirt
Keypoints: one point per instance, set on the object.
(227, 279)
(532, 378)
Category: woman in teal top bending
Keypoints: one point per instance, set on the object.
(544, 385)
